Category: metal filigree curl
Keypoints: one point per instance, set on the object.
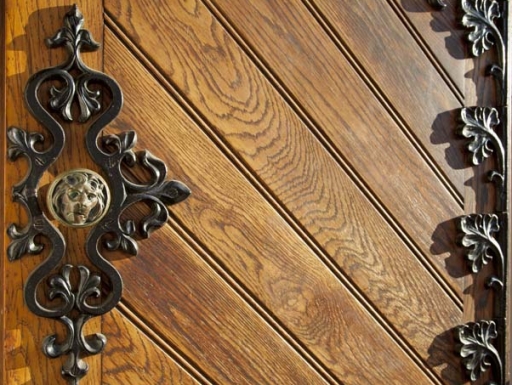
(75, 39)
(75, 306)
(479, 125)
(477, 350)
(479, 238)
(481, 233)
(481, 17)
(75, 344)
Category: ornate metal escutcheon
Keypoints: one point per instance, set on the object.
(81, 198)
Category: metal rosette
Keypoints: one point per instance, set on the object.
(81, 198)
(483, 344)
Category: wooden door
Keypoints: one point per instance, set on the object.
(318, 139)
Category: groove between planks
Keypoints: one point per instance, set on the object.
(383, 99)
(252, 301)
(189, 366)
(189, 238)
(197, 117)
(457, 92)
(331, 149)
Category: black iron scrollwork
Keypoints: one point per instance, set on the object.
(483, 344)
(75, 305)
(75, 39)
(75, 344)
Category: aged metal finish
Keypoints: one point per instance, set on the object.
(477, 350)
(482, 17)
(482, 246)
(80, 198)
(480, 124)
(485, 235)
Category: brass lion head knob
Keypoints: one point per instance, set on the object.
(78, 198)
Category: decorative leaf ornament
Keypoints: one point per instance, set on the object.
(477, 350)
(481, 232)
(479, 125)
(483, 247)
(479, 16)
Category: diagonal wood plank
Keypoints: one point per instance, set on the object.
(374, 145)
(310, 68)
(410, 84)
(190, 311)
(442, 34)
(189, 306)
(248, 238)
(300, 258)
(131, 358)
(361, 243)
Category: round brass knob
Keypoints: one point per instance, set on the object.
(78, 198)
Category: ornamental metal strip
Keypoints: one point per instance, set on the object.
(482, 344)
(81, 198)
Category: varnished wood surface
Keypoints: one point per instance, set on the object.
(227, 227)
(442, 35)
(203, 318)
(361, 131)
(372, 35)
(318, 245)
(131, 358)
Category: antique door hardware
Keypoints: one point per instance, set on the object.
(81, 198)
(483, 343)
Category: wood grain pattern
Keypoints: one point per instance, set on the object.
(238, 233)
(132, 359)
(199, 314)
(443, 35)
(374, 34)
(195, 311)
(356, 126)
(317, 192)
(359, 127)
(24, 361)
(318, 244)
